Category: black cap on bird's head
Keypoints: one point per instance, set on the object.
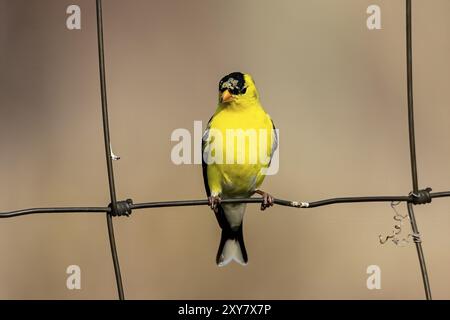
(234, 85)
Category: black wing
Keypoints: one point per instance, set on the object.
(204, 165)
(274, 142)
(220, 214)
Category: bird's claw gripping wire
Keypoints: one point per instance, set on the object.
(422, 196)
(214, 201)
(123, 208)
(268, 200)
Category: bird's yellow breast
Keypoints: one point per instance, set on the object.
(246, 147)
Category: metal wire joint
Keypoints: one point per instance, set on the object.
(422, 196)
(122, 208)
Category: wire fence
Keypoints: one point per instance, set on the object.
(121, 208)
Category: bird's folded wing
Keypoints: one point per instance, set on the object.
(274, 141)
(204, 164)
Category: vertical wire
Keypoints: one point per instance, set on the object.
(416, 237)
(112, 188)
(412, 148)
(412, 142)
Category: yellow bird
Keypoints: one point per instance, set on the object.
(238, 146)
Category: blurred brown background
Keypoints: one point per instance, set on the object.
(336, 90)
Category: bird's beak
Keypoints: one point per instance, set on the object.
(226, 96)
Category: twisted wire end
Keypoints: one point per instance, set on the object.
(298, 204)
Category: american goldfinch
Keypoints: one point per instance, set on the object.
(238, 130)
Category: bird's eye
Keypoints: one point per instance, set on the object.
(244, 90)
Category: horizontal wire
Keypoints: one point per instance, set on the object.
(440, 194)
(185, 203)
(287, 203)
(359, 199)
(24, 212)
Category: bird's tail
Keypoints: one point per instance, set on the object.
(231, 247)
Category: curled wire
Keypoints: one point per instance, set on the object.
(394, 236)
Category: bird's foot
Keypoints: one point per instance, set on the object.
(214, 202)
(268, 200)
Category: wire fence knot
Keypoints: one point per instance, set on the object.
(123, 208)
(416, 237)
(422, 196)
